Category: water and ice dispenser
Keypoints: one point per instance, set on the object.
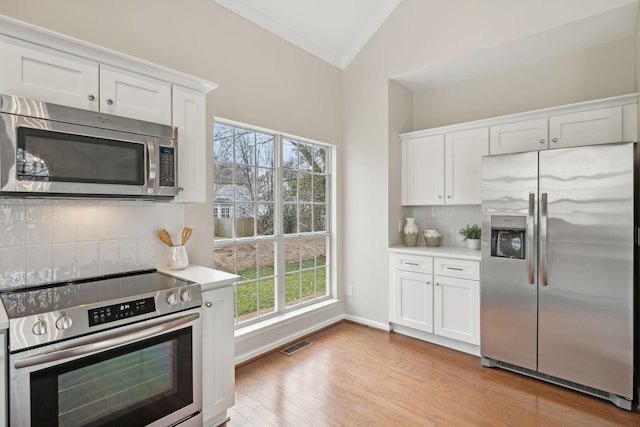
(508, 234)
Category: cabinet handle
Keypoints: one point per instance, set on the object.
(542, 141)
(455, 268)
(428, 282)
(109, 101)
(415, 264)
(91, 98)
(180, 189)
(555, 140)
(209, 304)
(437, 284)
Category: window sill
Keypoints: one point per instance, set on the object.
(245, 332)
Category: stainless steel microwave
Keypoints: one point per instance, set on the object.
(52, 150)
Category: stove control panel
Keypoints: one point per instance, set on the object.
(114, 312)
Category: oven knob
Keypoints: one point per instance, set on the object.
(185, 295)
(172, 298)
(41, 327)
(63, 322)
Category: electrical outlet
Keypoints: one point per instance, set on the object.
(349, 290)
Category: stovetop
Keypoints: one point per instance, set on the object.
(102, 289)
(65, 310)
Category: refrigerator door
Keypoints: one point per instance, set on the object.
(585, 295)
(508, 316)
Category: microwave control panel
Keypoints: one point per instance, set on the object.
(167, 172)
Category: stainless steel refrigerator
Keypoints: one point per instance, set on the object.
(557, 289)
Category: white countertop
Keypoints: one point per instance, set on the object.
(440, 251)
(207, 277)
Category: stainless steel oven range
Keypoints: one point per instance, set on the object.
(121, 350)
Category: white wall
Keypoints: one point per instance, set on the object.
(420, 34)
(597, 72)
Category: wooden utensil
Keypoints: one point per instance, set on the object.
(165, 237)
(186, 233)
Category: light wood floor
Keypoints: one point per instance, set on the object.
(353, 375)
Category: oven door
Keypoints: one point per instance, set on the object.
(148, 373)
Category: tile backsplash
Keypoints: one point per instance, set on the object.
(448, 219)
(44, 240)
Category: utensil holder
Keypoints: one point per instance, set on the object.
(178, 258)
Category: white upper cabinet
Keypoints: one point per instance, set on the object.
(526, 135)
(463, 165)
(35, 72)
(443, 169)
(129, 94)
(423, 170)
(595, 122)
(190, 118)
(590, 127)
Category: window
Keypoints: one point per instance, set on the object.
(271, 213)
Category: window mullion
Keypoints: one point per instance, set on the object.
(280, 268)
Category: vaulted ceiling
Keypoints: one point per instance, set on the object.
(332, 30)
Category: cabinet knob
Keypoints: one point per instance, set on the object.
(439, 197)
(91, 98)
(448, 196)
(555, 140)
(109, 101)
(542, 141)
(209, 304)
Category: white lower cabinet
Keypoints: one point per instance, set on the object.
(218, 369)
(438, 297)
(413, 300)
(456, 309)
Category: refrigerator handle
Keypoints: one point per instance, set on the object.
(529, 237)
(543, 239)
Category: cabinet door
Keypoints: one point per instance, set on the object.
(591, 127)
(423, 170)
(48, 75)
(189, 117)
(413, 300)
(463, 165)
(218, 352)
(456, 309)
(129, 94)
(526, 135)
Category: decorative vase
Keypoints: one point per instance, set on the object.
(178, 258)
(473, 243)
(411, 233)
(432, 237)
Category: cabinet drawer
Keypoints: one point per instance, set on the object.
(463, 269)
(415, 263)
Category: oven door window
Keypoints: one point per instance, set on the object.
(133, 385)
(45, 155)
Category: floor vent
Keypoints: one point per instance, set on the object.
(295, 348)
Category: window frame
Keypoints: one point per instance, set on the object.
(279, 238)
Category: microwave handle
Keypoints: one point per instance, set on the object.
(93, 344)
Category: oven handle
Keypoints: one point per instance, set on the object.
(92, 344)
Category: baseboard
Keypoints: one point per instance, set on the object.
(367, 322)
